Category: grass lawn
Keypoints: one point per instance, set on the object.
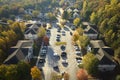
(60, 43)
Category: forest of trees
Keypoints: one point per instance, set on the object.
(11, 8)
(15, 72)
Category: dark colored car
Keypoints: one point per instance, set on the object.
(43, 51)
(58, 39)
(62, 47)
(55, 67)
(58, 36)
(41, 60)
(63, 54)
(79, 60)
(71, 33)
(63, 33)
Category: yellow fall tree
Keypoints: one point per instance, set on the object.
(35, 73)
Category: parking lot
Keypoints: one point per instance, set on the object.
(57, 59)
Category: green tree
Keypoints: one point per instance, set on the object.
(83, 41)
(10, 72)
(17, 29)
(51, 16)
(114, 2)
(117, 77)
(41, 32)
(3, 70)
(10, 22)
(27, 17)
(113, 22)
(35, 13)
(93, 18)
(80, 31)
(15, 72)
(90, 63)
(109, 36)
(3, 44)
(65, 15)
(75, 37)
(61, 2)
(76, 22)
(103, 26)
(85, 4)
(117, 54)
(2, 56)
(11, 39)
(23, 71)
(21, 11)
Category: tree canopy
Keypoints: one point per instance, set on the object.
(76, 22)
(90, 63)
(82, 74)
(36, 74)
(19, 71)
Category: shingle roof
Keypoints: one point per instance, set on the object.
(13, 60)
(106, 60)
(69, 10)
(96, 43)
(18, 52)
(89, 28)
(28, 25)
(31, 31)
(96, 50)
(109, 50)
(33, 28)
(75, 10)
(11, 50)
(24, 51)
(103, 53)
(94, 27)
(90, 31)
(38, 25)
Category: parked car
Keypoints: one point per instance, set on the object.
(63, 33)
(63, 54)
(43, 52)
(73, 27)
(48, 31)
(71, 33)
(64, 62)
(44, 47)
(76, 47)
(78, 53)
(55, 54)
(41, 60)
(62, 47)
(56, 67)
(58, 36)
(58, 39)
(59, 30)
(79, 60)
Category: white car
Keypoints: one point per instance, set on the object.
(79, 60)
(55, 54)
(78, 53)
(64, 61)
